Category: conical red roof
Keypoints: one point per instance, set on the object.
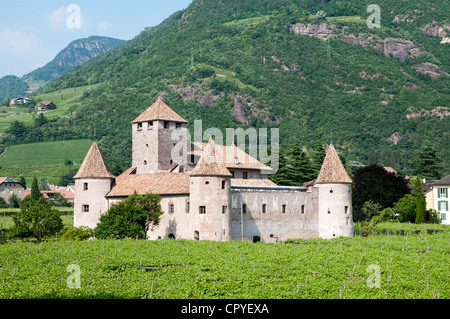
(332, 171)
(94, 165)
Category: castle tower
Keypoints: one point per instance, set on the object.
(335, 198)
(92, 182)
(210, 197)
(155, 133)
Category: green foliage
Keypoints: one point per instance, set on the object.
(35, 194)
(387, 214)
(77, 233)
(315, 88)
(14, 201)
(432, 216)
(420, 209)
(183, 269)
(37, 218)
(426, 164)
(406, 209)
(374, 183)
(131, 218)
(371, 209)
(12, 87)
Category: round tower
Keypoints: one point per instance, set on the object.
(210, 197)
(92, 182)
(335, 198)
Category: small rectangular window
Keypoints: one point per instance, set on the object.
(187, 207)
(85, 209)
(171, 208)
(224, 209)
(244, 208)
(264, 208)
(178, 125)
(283, 209)
(303, 209)
(223, 184)
(166, 124)
(150, 125)
(346, 209)
(139, 126)
(202, 210)
(245, 175)
(85, 186)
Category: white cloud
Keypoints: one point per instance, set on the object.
(62, 20)
(17, 42)
(21, 52)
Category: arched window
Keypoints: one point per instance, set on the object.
(196, 235)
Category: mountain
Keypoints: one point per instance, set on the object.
(379, 92)
(75, 54)
(12, 86)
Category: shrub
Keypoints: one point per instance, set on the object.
(406, 209)
(78, 233)
(432, 216)
(387, 214)
(371, 209)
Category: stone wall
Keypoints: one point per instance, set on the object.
(298, 218)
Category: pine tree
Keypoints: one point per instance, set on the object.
(426, 164)
(283, 175)
(302, 168)
(319, 156)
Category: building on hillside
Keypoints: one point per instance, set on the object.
(9, 187)
(215, 192)
(46, 106)
(440, 191)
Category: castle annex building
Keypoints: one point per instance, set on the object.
(216, 192)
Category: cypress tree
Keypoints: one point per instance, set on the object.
(35, 193)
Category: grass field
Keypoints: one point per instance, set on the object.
(63, 99)
(373, 267)
(42, 159)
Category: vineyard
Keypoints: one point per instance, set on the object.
(409, 267)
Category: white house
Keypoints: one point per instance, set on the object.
(441, 199)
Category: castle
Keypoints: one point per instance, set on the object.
(216, 192)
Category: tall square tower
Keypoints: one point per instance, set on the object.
(159, 140)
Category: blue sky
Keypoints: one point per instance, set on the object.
(32, 32)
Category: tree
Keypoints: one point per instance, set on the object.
(420, 199)
(302, 169)
(406, 209)
(319, 157)
(374, 183)
(371, 209)
(23, 181)
(14, 201)
(426, 164)
(37, 218)
(130, 218)
(283, 175)
(35, 193)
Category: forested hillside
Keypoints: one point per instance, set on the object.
(380, 92)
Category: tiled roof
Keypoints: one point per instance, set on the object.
(159, 183)
(332, 170)
(7, 180)
(443, 181)
(211, 163)
(94, 165)
(159, 111)
(256, 182)
(229, 154)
